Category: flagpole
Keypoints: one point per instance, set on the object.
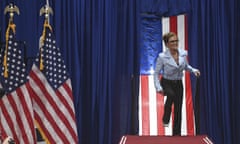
(9, 9)
(47, 3)
(46, 10)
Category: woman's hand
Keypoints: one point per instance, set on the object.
(197, 73)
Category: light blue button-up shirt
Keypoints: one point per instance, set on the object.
(169, 69)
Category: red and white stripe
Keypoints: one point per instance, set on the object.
(53, 110)
(16, 119)
(151, 104)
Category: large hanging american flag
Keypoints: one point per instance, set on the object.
(51, 92)
(16, 119)
(151, 104)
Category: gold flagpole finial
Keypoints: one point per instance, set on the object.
(46, 10)
(11, 9)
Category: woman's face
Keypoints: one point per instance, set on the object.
(173, 43)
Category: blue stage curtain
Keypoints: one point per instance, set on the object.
(165, 7)
(214, 40)
(100, 43)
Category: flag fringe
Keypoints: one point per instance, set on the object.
(12, 26)
(46, 25)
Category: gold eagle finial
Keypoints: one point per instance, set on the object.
(47, 10)
(11, 9)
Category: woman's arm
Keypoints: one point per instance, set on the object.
(158, 68)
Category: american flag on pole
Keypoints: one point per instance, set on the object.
(16, 119)
(51, 93)
(151, 104)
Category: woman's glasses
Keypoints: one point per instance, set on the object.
(173, 41)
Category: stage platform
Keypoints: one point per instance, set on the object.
(200, 139)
